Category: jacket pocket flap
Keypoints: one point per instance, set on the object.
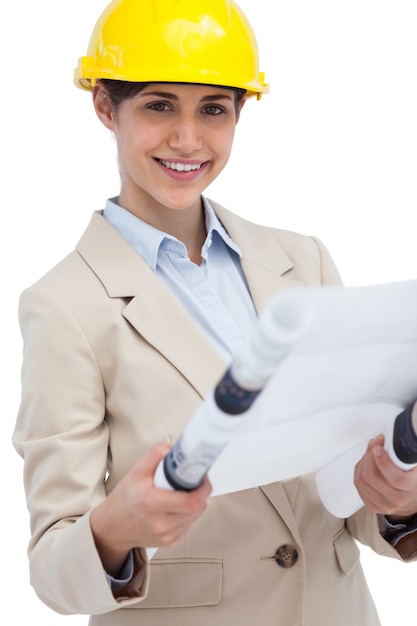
(184, 582)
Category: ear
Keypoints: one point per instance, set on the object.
(104, 107)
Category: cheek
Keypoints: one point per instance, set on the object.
(130, 148)
(225, 143)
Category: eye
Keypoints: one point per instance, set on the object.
(159, 106)
(213, 109)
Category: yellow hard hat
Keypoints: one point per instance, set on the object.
(184, 41)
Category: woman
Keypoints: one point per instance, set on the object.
(127, 335)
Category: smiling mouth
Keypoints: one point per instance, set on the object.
(180, 167)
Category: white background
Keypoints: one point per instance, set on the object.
(331, 151)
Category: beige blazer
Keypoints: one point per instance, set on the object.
(112, 365)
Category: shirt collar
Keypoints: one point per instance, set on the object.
(214, 224)
(147, 240)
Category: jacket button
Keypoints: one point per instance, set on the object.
(286, 556)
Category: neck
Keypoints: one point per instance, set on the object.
(187, 225)
(191, 231)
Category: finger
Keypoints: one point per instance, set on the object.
(146, 466)
(399, 480)
(376, 468)
(369, 481)
(383, 486)
(187, 503)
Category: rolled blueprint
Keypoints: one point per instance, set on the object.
(335, 481)
(218, 417)
(341, 368)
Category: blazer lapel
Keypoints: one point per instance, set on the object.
(150, 308)
(160, 319)
(264, 262)
(277, 496)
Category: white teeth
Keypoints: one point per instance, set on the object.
(180, 167)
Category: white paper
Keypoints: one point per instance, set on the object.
(349, 376)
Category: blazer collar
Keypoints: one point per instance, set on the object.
(153, 310)
(264, 262)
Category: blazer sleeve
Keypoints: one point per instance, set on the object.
(329, 272)
(369, 529)
(62, 434)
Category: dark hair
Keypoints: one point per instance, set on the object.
(120, 90)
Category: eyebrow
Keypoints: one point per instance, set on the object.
(172, 96)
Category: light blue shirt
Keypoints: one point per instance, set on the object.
(215, 293)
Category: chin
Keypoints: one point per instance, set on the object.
(183, 202)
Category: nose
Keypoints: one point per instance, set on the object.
(185, 136)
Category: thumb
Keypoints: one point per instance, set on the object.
(146, 466)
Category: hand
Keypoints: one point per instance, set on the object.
(383, 487)
(137, 514)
